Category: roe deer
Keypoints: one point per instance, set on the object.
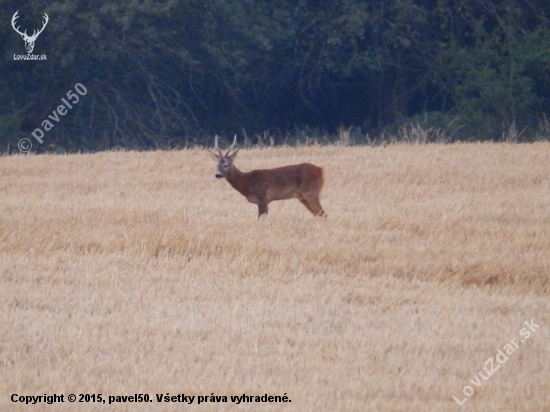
(303, 182)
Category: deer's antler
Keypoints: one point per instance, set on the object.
(35, 33)
(44, 24)
(15, 17)
(234, 141)
(218, 155)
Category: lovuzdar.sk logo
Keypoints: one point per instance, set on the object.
(29, 40)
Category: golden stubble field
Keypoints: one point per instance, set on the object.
(124, 273)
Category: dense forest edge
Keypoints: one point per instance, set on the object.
(171, 74)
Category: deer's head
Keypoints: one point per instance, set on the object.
(225, 162)
(29, 40)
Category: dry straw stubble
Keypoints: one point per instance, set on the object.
(123, 273)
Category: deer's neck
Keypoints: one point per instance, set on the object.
(238, 180)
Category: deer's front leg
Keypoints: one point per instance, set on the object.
(262, 207)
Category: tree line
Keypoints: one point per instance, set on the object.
(173, 73)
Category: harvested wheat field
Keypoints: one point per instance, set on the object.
(127, 273)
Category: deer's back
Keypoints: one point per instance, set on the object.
(303, 176)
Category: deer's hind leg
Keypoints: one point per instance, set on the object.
(312, 204)
(315, 206)
(306, 204)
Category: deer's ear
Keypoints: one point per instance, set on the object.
(214, 156)
(233, 155)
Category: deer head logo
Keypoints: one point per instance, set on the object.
(29, 40)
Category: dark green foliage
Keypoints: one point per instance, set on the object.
(173, 73)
